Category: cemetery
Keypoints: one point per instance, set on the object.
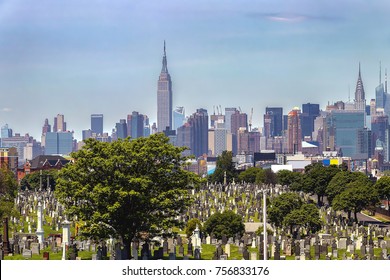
(41, 231)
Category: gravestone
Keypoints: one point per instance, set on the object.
(165, 246)
(253, 256)
(27, 254)
(181, 250)
(224, 239)
(172, 256)
(363, 251)
(35, 248)
(197, 255)
(223, 257)
(245, 254)
(342, 243)
(179, 240)
(335, 253)
(227, 249)
(277, 251)
(189, 248)
(118, 251)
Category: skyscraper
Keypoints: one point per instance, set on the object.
(164, 97)
(121, 129)
(294, 133)
(273, 119)
(350, 135)
(58, 143)
(46, 127)
(59, 123)
(360, 98)
(97, 123)
(178, 117)
(309, 113)
(194, 133)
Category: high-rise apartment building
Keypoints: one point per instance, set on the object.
(164, 97)
(97, 124)
(294, 133)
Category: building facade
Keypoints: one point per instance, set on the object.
(164, 97)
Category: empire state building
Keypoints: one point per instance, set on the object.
(164, 97)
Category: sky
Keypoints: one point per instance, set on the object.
(81, 57)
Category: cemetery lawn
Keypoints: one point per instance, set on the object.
(53, 256)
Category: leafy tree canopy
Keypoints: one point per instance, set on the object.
(33, 180)
(339, 183)
(307, 216)
(287, 177)
(249, 175)
(227, 223)
(8, 192)
(191, 226)
(383, 187)
(357, 196)
(317, 178)
(224, 164)
(282, 205)
(127, 188)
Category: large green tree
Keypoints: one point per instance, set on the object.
(383, 187)
(357, 196)
(227, 223)
(307, 216)
(288, 178)
(127, 188)
(34, 180)
(224, 165)
(281, 206)
(339, 183)
(8, 192)
(317, 178)
(249, 175)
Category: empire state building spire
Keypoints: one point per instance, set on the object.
(164, 62)
(164, 97)
(360, 99)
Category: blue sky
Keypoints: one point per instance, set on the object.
(82, 57)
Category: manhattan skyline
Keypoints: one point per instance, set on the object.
(81, 58)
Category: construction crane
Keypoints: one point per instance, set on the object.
(250, 120)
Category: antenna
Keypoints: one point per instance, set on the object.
(250, 120)
(349, 93)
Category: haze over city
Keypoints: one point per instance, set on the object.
(82, 57)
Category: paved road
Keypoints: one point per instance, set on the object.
(370, 220)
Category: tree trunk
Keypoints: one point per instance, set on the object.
(349, 215)
(355, 214)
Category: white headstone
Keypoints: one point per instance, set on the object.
(40, 233)
(227, 249)
(66, 232)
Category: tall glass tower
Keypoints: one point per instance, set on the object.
(164, 97)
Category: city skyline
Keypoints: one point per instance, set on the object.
(79, 59)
